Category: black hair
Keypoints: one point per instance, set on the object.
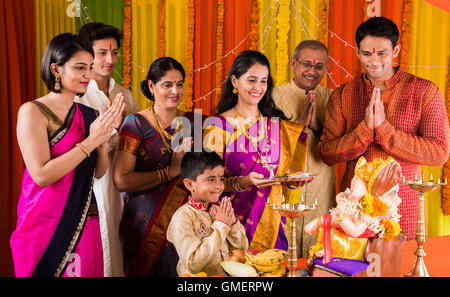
(377, 27)
(59, 50)
(97, 31)
(157, 70)
(241, 65)
(194, 164)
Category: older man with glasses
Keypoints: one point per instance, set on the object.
(304, 100)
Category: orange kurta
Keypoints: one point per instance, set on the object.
(415, 132)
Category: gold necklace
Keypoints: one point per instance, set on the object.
(163, 132)
(254, 140)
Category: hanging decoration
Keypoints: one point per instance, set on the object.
(323, 32)
(126, 44)
(219, 50)
(190, 55)
(254, 26)
(406, 32)
(282, 55)
(446, 167)
(162, 28)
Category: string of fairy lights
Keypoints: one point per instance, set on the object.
(264, 37)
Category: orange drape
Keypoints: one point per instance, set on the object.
(236, 29)
(17, 85)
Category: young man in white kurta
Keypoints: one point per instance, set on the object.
(109, 201)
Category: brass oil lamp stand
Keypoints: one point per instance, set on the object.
(293, 211)
(421, 186)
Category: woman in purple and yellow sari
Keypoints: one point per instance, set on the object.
(147, 169)
(64, 146)
(249, 132)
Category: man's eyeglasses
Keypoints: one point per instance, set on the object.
(308, 65)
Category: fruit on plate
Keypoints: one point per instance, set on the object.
(269, 262)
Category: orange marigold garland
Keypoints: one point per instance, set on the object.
(405, 33)
(126, 44)
(323, 33)
(282, 57)
(190, 55)
(219, 50)
(162, 28)
(254, 26)
(446, 168)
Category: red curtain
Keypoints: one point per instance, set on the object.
(236, 27)
(17, 85)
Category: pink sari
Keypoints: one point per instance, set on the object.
(53, 225)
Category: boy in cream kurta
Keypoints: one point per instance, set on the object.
(202, 232)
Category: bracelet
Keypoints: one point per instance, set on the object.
(163, 175)
(238, 186)
(83, 149)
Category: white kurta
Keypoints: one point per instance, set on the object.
(200, 240)
(291, 100)
(109, 201)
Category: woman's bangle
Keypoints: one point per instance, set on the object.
(240, 189)
(83, 149)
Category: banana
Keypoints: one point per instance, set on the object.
(269, 259)
(280, 272)
(275, 253)
(263, 269)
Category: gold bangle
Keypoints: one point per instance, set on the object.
(168, 173)
(83, 149)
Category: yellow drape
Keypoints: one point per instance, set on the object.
(52, 18)
(145, 39)
(144, 44)
(303, 26)
(429, 45)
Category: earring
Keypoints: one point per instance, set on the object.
(235, 91)
(57, 84)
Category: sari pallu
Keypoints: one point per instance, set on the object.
(52, 220)
(147, 213)
(264, 227)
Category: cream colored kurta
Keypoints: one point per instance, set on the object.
(200, 240)
(109, 202)
(291, 99)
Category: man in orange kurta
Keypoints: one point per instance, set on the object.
(386, 112)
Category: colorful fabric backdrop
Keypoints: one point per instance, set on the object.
(205, 36)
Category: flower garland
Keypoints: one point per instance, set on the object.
(323, 33)
(219, 50)
(282, 57)
(254, 26)
(406, 32)
(126, 44)
(446, 169)
(190, 54)
(162, 28)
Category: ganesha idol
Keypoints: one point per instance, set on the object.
(366, 211)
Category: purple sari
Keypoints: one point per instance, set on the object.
(53, 224)
(242, 157)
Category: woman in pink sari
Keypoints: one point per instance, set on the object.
(63, 147)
